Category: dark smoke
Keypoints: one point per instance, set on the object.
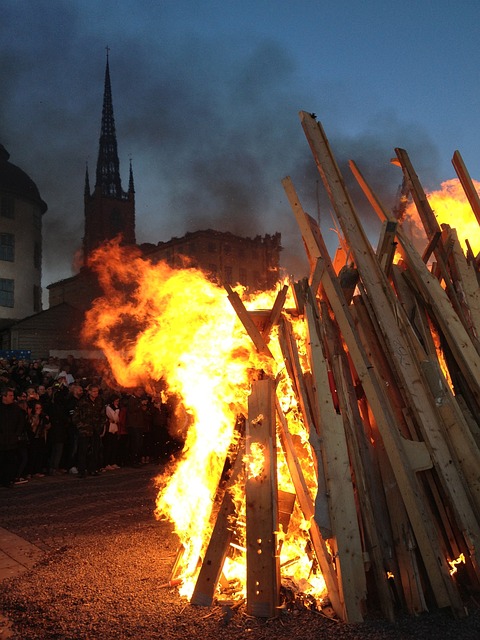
(211, 127)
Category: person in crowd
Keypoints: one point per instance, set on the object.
(11, 426)
(111, 437)
(39, 425)
(35, 372)
(147, 408)
(89, 417)
(160, 435)
(123, 437)
(135, 422)
(43, 396)
(58, 412)
(76, 392)
(23, 441)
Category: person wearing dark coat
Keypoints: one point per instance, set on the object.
(12, 423)
(89, 417)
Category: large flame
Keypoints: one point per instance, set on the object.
(450, 206)
(156, 324)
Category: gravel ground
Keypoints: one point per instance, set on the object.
(106, 563)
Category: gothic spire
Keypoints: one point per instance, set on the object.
(87, 181)
(131, 188)
(108, 165)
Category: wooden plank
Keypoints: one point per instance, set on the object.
(308, 509)
(220, 539)
(445, 591)
(467, 280)
(431, 226)
(250, 327)
(456, 335)
(467, 184)
(408, 575)
(343, 512)
(263, 565)
(387, 245)
(275, 312)
(438, 429)
(373, 519)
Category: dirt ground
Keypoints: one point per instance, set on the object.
(107, 561)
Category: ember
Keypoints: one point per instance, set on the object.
(331, 426)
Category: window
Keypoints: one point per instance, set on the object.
(6, 292)
(7, 247)
(7, 207)
(228, 275)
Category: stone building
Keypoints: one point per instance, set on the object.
(21, 211)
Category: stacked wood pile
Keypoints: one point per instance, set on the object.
(394, 430)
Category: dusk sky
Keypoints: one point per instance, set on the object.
(206, 98)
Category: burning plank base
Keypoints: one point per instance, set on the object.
(354, 479)
(395, 448)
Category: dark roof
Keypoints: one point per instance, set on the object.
(15, 181)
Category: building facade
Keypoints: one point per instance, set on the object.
(224, 257)
(21, 211)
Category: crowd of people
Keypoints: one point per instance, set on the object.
(63, 417)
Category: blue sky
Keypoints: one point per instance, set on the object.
(206, 98)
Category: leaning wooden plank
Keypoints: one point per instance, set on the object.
(375, 523)
(275, 312)
(431, 226)
(387, 245)
(263, 564)
(251, 329)
(399, 339)
(339, 481)
(306, 505)
(467, 280)
(310, 417)
(220, 539)
(445, 591)
(454, 331)
(467, 184)
(408, 575)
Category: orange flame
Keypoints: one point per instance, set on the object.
(160, 325)
(451, 206)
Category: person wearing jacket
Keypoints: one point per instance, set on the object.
(12, 423)
(89, 417)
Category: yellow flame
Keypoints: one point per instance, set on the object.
(453, 563)
(175, 330)
(255, 460)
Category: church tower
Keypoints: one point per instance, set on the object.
(109, 211)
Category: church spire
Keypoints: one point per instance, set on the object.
(109, 211)
(108, 165)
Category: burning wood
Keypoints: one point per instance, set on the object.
(360, 392)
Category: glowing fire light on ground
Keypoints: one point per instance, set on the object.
(156, 324)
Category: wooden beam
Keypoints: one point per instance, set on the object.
(261, 494)
(445, 592)
(467, 184)
(465, 352)
(220, 539)
(343, 513)
(387, 245)
(308, 509)
(250, 327)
